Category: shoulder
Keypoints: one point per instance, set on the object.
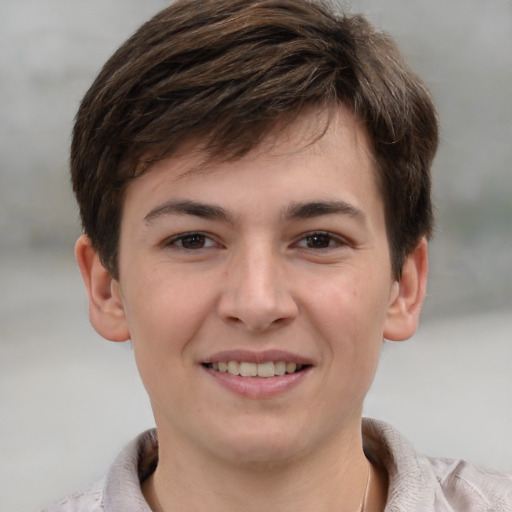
(464, 485)
(120, 488)
(421, 483)
(88, 500)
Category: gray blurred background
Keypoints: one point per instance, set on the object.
(69, 401)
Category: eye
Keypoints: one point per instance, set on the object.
(191, 241)
(320, 240)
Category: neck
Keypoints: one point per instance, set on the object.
(334, 478)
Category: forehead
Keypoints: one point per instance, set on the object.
(318, 139)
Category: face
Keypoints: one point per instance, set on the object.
(257, 293)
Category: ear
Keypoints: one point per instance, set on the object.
(106, 309)
(407, 296)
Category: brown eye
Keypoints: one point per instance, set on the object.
(195, 241)
(191, 241)
(318, 241)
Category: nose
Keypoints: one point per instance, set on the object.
(257, 292)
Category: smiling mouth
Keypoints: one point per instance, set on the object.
(264, 370)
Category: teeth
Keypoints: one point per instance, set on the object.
(234, 368)
(291, 367)
(265, 370)
(280, 368)
(248, 369)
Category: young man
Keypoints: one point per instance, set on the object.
(254, 185)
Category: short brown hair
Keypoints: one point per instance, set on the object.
(227, 71)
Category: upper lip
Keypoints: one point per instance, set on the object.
(257, 357)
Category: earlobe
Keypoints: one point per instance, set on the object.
(106, 309)
(407, 296)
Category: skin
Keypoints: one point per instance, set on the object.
(259, 269)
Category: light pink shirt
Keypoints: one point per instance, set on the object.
(416, 483)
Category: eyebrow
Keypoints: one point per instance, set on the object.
(299, 210)
(187, 207)
(317, 208)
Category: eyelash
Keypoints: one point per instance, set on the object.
(333, 241)
(180, 239)
(204, 241)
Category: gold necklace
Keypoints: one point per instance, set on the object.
(365, 497)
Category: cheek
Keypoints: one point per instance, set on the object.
(349, 312)
(349, 295)
(164, 313)
(163, 318)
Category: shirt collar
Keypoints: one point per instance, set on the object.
(412, 483)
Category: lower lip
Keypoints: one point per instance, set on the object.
(258, 387)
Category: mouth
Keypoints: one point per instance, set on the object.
(264, 370)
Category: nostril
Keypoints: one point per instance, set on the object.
(256, 297)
